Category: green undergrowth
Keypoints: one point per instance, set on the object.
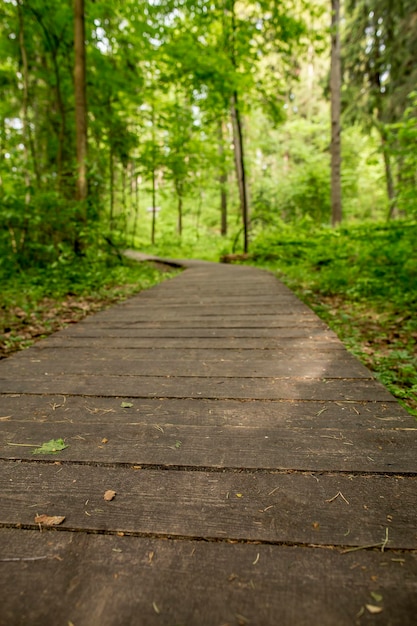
(362, 280)
(39, 300)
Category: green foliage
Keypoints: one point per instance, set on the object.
(97, 274)
(367, 261)
(397, 370)
(51, 447)
(38, 233)
(363, 281)
(403, 138)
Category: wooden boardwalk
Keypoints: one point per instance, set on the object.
(262, 476)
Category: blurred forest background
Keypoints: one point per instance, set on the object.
(284, 130)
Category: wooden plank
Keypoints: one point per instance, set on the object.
(165, 445)
(215, 388)
(126, 352)
(203, 313)
(275, 508)
(146, 300)
(200, 412)
(283, 344)
(107, 580)
(184, 322)
(210, 298)
(63, 363)
(86, 330)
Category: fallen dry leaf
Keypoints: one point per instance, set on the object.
(49, 520)
(109, 495)
(373, 609)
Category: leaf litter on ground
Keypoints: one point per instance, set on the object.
(49, 520)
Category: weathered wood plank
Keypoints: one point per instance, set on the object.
(304, 449)
(283, 344)
(200, 412)
(154, 322)
(79, 330)
(81, 350)
(24, 367)
(108, 580)
(148, 300)
(292, 508)
(216, 388)
(204, 313)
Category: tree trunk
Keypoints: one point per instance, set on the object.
(25, 104)
(335, 89)
(111, 180)
(222, 180)
(153, 206)
(80, 99)
(198, 216)
(240, 169)
(124, 205)
(238, 139)
(179, 228)
(136, 206)
(390, 180)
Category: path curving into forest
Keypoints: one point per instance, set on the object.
(255, 472)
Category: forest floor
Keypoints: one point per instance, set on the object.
(384, 340)
(29, 312)
(21, 328)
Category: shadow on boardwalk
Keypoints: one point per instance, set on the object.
(262, 476)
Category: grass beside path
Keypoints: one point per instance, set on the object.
(38, 302)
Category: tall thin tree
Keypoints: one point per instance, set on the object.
(335, 91)
(222, 177)
(238, 139)
(80, 99)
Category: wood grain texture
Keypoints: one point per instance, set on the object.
(350, 415)
(127, 352)
(194, 387)
(287, 345)
(320, 333)
(91, 365)
(267, 507)
(97, 579)
(387, 451)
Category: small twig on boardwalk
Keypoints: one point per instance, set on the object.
(384, 543)
(23, 558)
(339, 493)
(381, 544)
